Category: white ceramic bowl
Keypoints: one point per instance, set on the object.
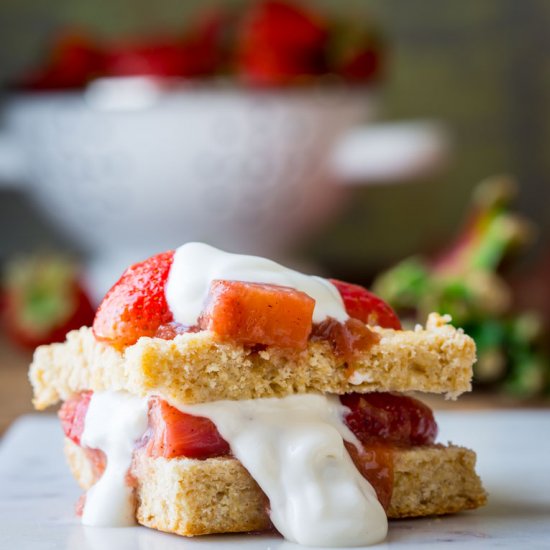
(128, 168)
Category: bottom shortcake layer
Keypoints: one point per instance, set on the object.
(197, 497)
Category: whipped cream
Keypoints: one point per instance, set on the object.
(293, 447)
(113, 423)
(196, 265)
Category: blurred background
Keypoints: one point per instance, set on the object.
(341, 137)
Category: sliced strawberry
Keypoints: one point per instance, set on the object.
(72, 414)
(173, 433)
(255, 313)
(136, 305)
(366, 306)
(389, 418)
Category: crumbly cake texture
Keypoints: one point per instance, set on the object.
(198, 497)
(196, 368)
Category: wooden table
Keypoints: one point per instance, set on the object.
(15, 390)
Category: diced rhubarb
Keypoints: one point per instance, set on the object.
(255, 313)
(173, 433)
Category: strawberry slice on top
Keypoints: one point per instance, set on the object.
(136, 305)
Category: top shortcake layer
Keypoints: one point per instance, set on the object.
(196, 368)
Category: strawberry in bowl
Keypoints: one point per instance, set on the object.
(271, 43)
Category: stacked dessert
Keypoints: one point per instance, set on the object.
(222, 393)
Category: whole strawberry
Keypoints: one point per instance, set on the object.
(75, 60)
(43, 300)
(280, 42)
(160, 58)
(136, 304)
(356, 51)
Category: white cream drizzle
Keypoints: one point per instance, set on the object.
(293, 447)
(114, 421)
(196, 265)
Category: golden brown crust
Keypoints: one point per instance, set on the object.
(196, 497)
(195, 368)
(435, 480)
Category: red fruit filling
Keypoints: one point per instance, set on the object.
(347, 339)
(172, 433)
(366, 306)
(389, 418)
(375, 462)
(247, 313)
(72, 414)
(381, 422)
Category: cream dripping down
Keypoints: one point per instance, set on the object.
(114, 422)
(293, 447)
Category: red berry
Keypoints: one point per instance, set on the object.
(366, 306)
(279, 42)
(159, 59)
(173, 433)
(206, 47)
(72, 414)
(199, 53)
(389, 418)
(136, 305)
(75, 60)
(43, 300)
(364, 66)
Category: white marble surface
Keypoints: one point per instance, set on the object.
(37, 494)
